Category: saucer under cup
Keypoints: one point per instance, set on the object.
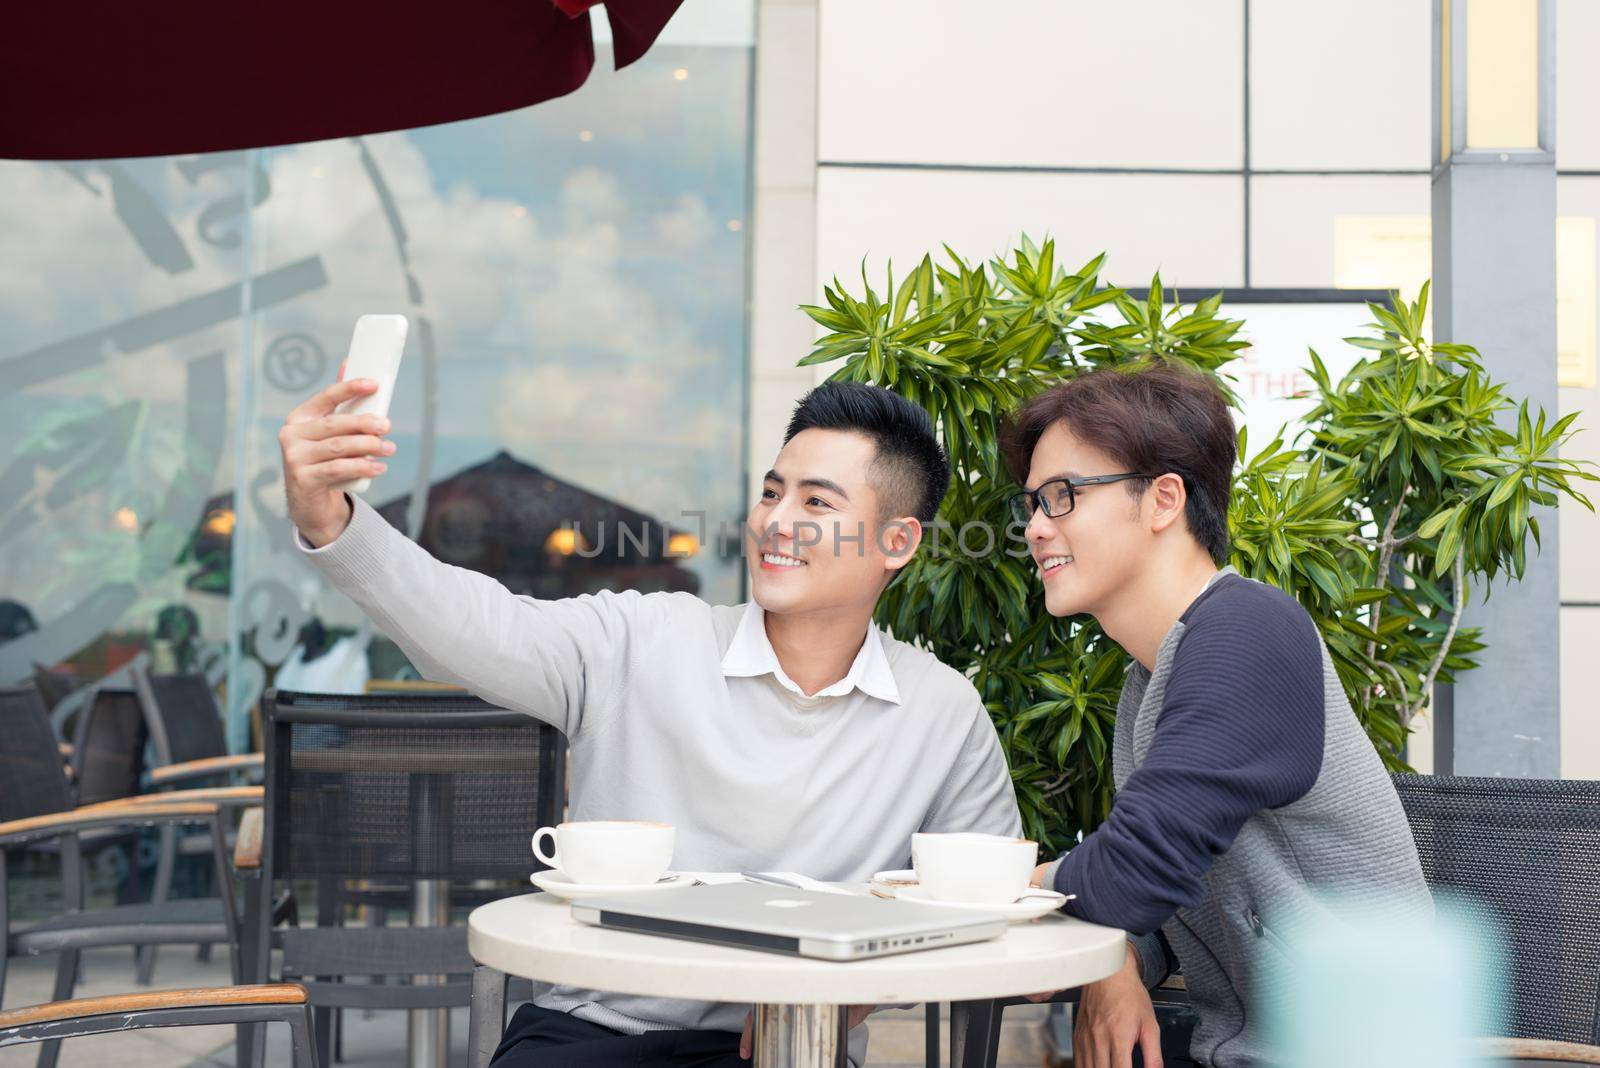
(556, 884)
(1030, 906)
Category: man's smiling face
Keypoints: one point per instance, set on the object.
(814, 542)
(1086, 556)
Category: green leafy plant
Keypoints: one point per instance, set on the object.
(1399, 486)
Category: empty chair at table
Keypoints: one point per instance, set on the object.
(423, 792)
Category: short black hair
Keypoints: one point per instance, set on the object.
(1157, 418)
(909, 472)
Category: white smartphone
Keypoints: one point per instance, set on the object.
(375, 353)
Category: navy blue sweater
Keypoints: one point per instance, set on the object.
(1241, 729)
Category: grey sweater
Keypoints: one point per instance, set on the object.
(1249, 801)
(677, 710)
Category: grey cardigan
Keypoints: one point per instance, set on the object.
(1336, 849)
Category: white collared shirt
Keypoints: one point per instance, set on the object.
(751, 655)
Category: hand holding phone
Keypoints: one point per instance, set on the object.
(375, 352)
(333, 442)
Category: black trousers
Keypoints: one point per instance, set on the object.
(543, 1038)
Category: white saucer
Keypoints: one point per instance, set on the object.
(1030, 906)
(895, 879)
(561, 885)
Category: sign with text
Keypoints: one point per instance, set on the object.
(1272, 372)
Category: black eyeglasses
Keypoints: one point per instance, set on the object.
(1059, 496)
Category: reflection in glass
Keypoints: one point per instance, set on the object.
(575, 276)
(568, 416)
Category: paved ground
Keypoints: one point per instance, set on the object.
(372, 1039)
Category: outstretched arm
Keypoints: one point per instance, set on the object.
(550, 659)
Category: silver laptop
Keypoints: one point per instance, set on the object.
(806, 923)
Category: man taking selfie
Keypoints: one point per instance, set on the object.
(788, 734)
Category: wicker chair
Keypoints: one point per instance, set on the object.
(189, 740)
(413, 791)
(1522, 855)
(109, 742)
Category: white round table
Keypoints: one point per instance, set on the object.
(798, 999)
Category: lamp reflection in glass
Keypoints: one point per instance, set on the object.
(220, 523)
(565, 541)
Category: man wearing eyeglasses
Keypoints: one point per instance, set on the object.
(1249, 799)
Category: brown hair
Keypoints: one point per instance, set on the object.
(1157, 419)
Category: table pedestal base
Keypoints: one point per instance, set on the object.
(428, 1030)
(799, 1036)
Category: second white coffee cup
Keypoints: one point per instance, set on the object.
(973, 869)
(608, 852)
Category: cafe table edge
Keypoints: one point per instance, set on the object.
(534, 936)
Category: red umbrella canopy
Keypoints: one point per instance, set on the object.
(111, 80)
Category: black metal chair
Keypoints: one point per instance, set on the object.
(57, 1020)
(55, 685)
(414, 791)
(110, 737)
(113, 735)
(36, 808)
(67, 705)
(190, 744)
(191, 750)
(105, 764)
(109, 744)
(1523, 857)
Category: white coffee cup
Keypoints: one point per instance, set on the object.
(608, 852)
(973, 869)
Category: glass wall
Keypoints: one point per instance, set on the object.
(575, 277)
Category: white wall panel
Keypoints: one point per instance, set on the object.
(1188, 226)
(1577, 84)
(1580, 698)
(1580, 528)
(1341, 86)
(1147, 83)
(1293, 217)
